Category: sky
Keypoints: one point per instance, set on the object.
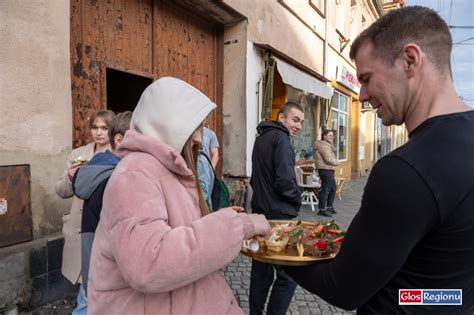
(458, 13)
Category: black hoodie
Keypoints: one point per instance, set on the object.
(275, 191)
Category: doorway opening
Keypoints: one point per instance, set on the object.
(124, 90)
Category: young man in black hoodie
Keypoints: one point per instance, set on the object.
(89, 184)
(275, 195)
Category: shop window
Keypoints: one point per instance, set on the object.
(340, 124)
(383, 142)
(303, 143)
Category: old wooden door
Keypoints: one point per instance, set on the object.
(150, 38)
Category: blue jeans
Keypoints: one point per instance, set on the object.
(328, 189)
(81, 308)
(261, 279)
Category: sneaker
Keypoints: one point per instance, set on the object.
(331, 210)
(325, 213)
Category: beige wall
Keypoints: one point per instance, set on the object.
(273, 23)
(351, 27)
(234, 100)
(296, 29)
(35, 99)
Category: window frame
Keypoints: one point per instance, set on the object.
(337, 112)
(318, 6)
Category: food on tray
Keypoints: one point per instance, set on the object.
(323, 239)
(310, 239)
(295, 230)
(278, 240)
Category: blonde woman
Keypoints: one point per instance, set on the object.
(99, 124)
(157, 248)
(326, 163)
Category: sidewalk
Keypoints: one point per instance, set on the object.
(237, 273)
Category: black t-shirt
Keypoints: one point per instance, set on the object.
(415, 227)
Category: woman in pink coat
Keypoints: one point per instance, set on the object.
(157, 249)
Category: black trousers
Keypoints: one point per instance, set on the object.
(262, 277)
(328, 189)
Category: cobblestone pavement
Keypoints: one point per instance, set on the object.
(237, 273)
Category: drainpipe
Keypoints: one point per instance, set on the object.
(325, 51)
(325, 59)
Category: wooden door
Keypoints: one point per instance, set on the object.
(151, 38)
(189, 48)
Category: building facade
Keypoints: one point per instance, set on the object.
(299, 50)
(62, 60)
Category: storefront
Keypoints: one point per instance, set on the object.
(344, 117)
(285, 82)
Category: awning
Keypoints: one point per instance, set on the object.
(300, 80)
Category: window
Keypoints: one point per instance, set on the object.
(340, 124)
(340, 17)
(354, 23)
(303, 142)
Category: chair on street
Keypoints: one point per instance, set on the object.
(308, 184)
(339, 184)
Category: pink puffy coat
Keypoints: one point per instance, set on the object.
(153, 253)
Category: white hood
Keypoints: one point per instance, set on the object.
(170, 110)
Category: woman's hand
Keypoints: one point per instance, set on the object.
(261, 225)
(73, 169)
(237, 209)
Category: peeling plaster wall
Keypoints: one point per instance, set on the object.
(35, 100)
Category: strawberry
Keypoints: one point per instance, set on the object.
(322, 244)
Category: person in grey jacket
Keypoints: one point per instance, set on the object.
(326, 163)
(89, 185)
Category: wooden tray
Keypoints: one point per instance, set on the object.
(288, 257)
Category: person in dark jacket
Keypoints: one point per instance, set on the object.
(275, 195)
(89, 184)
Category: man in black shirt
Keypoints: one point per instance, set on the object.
(415, 227)
(275, 195)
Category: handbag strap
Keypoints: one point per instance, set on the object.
(209, 160)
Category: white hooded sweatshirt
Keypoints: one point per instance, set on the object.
(155, 114)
